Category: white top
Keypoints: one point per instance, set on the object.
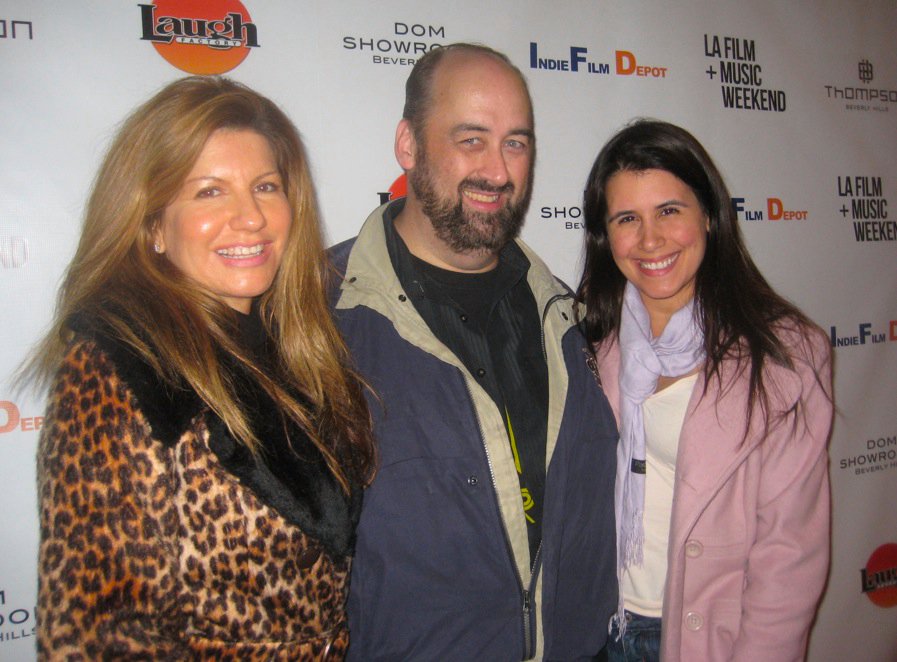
(664, 412)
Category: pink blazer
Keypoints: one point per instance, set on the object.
(749, 537)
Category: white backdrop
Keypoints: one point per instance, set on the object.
(823, 156)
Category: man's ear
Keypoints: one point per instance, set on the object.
(406, 145)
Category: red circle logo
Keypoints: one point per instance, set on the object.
(399, 188)
(198, 36)
(880, 576)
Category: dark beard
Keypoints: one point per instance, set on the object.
(466, 231)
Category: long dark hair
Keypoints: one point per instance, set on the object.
(739, 312)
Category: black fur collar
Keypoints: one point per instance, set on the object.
(290, 474)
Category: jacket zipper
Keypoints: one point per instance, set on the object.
(527, 626)
(526, 593)
(529, 644)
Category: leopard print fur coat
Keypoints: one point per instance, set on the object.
(162, 538)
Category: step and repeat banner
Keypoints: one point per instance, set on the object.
(797, 102)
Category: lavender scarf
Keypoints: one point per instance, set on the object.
(678, 350)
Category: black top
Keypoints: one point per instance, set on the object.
(492, 324)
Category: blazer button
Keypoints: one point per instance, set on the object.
(693, 549)
(472, 481)
(694, 621)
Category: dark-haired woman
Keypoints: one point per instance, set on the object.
(205, 448)
(722, 391)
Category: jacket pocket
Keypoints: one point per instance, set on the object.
(725, 621)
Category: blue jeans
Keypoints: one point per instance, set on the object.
(640, 642)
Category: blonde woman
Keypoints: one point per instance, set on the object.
(201, 468)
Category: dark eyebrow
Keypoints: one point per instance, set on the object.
(674, 202)
(667, 203)
(624, 212)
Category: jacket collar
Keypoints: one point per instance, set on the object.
(288, 474)
(710, 447)
(369, 271)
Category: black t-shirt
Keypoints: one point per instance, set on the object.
(492, 323)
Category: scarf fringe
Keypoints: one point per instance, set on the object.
(633, 551)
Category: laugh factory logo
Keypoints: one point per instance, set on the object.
(740, 75)
(197, 36)
(879, 577)
(398, 189)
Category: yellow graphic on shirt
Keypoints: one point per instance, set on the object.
(528, 502)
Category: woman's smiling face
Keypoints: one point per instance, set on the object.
(228, 225)
(658, 235)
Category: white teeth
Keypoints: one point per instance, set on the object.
(481, 197)
(657, 266)
(242, 251)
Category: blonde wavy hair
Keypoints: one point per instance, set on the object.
(176, 327)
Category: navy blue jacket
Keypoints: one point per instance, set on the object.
(442, 569)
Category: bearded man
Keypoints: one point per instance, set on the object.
(488, 533)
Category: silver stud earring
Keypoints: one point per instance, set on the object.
(157, 247)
